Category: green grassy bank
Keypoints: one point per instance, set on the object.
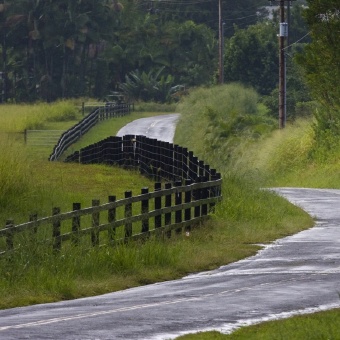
(246, 216)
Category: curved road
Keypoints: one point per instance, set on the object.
(296, 274)
(159, 127)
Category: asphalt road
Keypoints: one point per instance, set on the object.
(159, 127)
(294, 275)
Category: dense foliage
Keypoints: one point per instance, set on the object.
(321, 62)
(61, 49)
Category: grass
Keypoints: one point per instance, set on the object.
(37, 275)
(289, 157)
(317, 326)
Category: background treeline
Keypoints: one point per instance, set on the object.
(150, 49)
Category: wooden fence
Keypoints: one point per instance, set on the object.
(157, 159)
(73, 134)
(184, 201)
(42, 137)
(175, 207)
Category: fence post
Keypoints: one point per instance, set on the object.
(213, 191)
(128, 214)
(111, 218)
(167, 216)
(187, 199)
(145, 210)
(201, 168)
(9, 235)
(204, 195)
(158, 206)
(178, 201)
(76, 224)
(33, 218)
(197, 197)
(56, 230)
(95, 224)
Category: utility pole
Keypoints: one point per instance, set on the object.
(282, 63)
(220, 44)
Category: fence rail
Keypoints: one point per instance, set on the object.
(126, 219)
(73, 134)
(157, 159)
(42, 137)
(184, 201)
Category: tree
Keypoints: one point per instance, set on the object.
(251, 57)
(321, 61)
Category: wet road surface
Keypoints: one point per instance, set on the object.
(294, 275)
(159, 127)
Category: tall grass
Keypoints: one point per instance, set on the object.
(218, 123)
(15, 172)
(17, 118)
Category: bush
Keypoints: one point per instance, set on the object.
(218, 118)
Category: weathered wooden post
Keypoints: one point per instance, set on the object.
(201, 168)
(56, 230)
(145, 210)
(204, 195)
(167, 216)
(213, 191)
(185, 163)
(197, 197)
(178, 201)
(128, 214)
(76, 223)
(158, 206)
(187, 199)
(95, 224)
(111, 218)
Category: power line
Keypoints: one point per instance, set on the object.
(297, 41)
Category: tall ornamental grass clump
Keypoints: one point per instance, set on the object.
(216, 122)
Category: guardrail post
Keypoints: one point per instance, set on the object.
(145, 210)
(95, 224)
(56, 230)
(167, 216)
(76, 224)
(111, 218)
(128, 214)
(158, 206)
(9, 235)
(178, 201)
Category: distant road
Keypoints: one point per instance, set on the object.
(159, 127)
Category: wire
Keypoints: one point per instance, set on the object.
(298, 40)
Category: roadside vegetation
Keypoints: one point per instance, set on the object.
(321, 325)
(247, 216)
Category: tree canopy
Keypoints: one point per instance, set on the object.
(321, 58)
